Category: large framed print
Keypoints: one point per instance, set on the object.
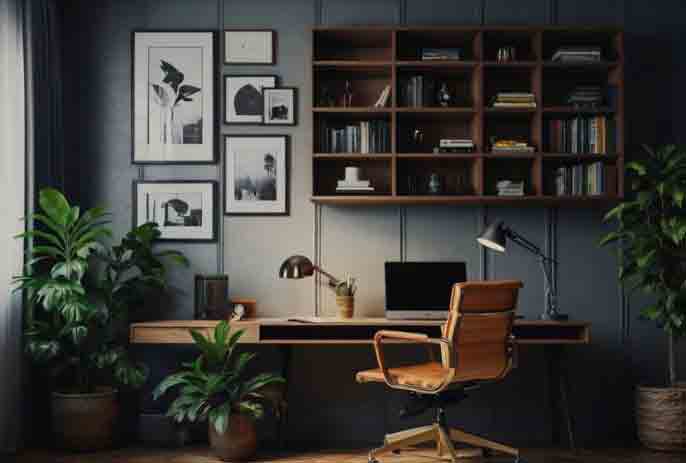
(254, 46)
(173, 93)
(185, 210)
(244, 100)
(256, 170)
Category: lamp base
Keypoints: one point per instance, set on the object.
(559, 317)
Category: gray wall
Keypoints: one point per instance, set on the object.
(326, 406)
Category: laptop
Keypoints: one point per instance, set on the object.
(421, 290)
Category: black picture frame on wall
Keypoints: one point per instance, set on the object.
(276, 110)
(187, 194)
(142, 92)
(245, 157)
(243, 99)
(252, 40)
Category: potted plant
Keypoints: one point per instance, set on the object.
(345, 296)
(215, 388)
(651, 235)
(75, 331)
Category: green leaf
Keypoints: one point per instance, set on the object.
(219, 417)
(169, 382)
(51, 251)
(651, 313)
(44, 235)
(174, 256)
(56, 228)
(55, 205)
(609, 238)
(637, 167)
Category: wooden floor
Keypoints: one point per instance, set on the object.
(203, 455)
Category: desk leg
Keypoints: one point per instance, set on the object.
(282, 424)
(558, 387)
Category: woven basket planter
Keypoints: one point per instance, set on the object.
(661, 417)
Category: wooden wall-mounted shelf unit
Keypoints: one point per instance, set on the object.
(372, 57)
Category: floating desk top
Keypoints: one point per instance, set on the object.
(340, 331)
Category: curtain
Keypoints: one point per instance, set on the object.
(12, 191)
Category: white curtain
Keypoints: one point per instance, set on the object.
(13, 194)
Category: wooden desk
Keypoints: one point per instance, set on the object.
(551, 335)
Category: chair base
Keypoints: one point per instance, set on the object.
(444, 438)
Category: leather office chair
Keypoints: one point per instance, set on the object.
(477, 346)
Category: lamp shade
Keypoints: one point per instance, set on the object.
(296, 267)
(494, 237)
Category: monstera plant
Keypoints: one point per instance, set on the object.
(81, 293)
(651, 235)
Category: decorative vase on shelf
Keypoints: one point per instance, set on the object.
(346, 306)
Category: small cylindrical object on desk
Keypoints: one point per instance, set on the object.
(212, 297)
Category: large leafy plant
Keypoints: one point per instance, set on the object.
(651, 234)
(215, 386)
(81, 293)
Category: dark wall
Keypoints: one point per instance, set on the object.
(326, 406)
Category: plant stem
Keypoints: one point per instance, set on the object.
(671, 348)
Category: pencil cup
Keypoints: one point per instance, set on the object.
(346, 306)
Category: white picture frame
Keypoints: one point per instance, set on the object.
(173, 90)
(254, 46)
(280, 106)
(256, 175)
(244, 101)
(185, 210)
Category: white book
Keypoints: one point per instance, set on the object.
(369, 188)
(357, 184)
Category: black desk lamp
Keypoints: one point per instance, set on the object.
(296, 267)
(495, 237)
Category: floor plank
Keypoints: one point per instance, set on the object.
(203, 455)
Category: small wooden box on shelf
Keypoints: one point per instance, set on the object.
(393, 140)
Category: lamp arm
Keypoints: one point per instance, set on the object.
(333, 281)
(528, 245)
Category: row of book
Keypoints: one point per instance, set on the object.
(510, 188)
(581, 180)
(361, 137)
(587, 135)
(514, 100)
(417, 91)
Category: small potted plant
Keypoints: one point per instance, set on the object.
(73, 333)
(651, 236)
(216, 389)
(345, 296)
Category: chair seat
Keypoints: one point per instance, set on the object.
(428, 375)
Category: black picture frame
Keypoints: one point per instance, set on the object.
(287, 173)
(215, 217)
(216, 88)
(274, 45)
(294, 99)
(227, 78)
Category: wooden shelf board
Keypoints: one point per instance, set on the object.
(438, 156)
(445, 64)
(600, 157)
(435, 110)
(510, 155)
(511, 64)
(592, 65)
(492, 110)
(528, 200)
(353, 109)
(573, 110)
(354, 156)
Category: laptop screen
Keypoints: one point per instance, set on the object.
(421, 286)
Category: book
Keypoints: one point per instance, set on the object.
(429, 54)
(360, 188)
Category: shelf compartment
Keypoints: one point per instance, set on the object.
(329, 85)
(559, 83)
(411, 41)
(508, 79)
(327, 172)
(525, 42)
(437, 64)
(461, 84)
(511, 125)
(551, 166)
(434, 126)
(515, 169)
(608, 39)
(353, 44)
(456, 176)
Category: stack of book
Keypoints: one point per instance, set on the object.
(455, 145)
(582, 54)
(417, 91)
(592, 135)
(362, 137)
(585, 95)
(354, 186)
(440, 54)
(580, 180)
(510, 188)
(514, 100)
(511, 146)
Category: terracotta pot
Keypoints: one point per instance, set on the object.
(238, 443)
(661, 417)
(84, 422)
(346, 306)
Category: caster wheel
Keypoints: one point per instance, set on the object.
(487, 453)
(372, 460)
(396, 452)
(519, 460)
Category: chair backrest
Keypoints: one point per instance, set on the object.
(479, 327)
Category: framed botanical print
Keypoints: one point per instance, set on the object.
(185, 210)
(242, 46)
(173, 98)
(256, 175)
(244, 101)
(280, 106)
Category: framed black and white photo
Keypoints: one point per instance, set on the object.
(185, 210)
(256, 175)
(280, 106)
(256, 46)
(173, 98)
(244, 101)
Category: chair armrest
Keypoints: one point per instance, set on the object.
(417, 338)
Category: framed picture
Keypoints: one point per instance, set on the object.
(280, 106)
(183, 209)
(173, 100)
(244, 102)
(256, 46)
(256, 175)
